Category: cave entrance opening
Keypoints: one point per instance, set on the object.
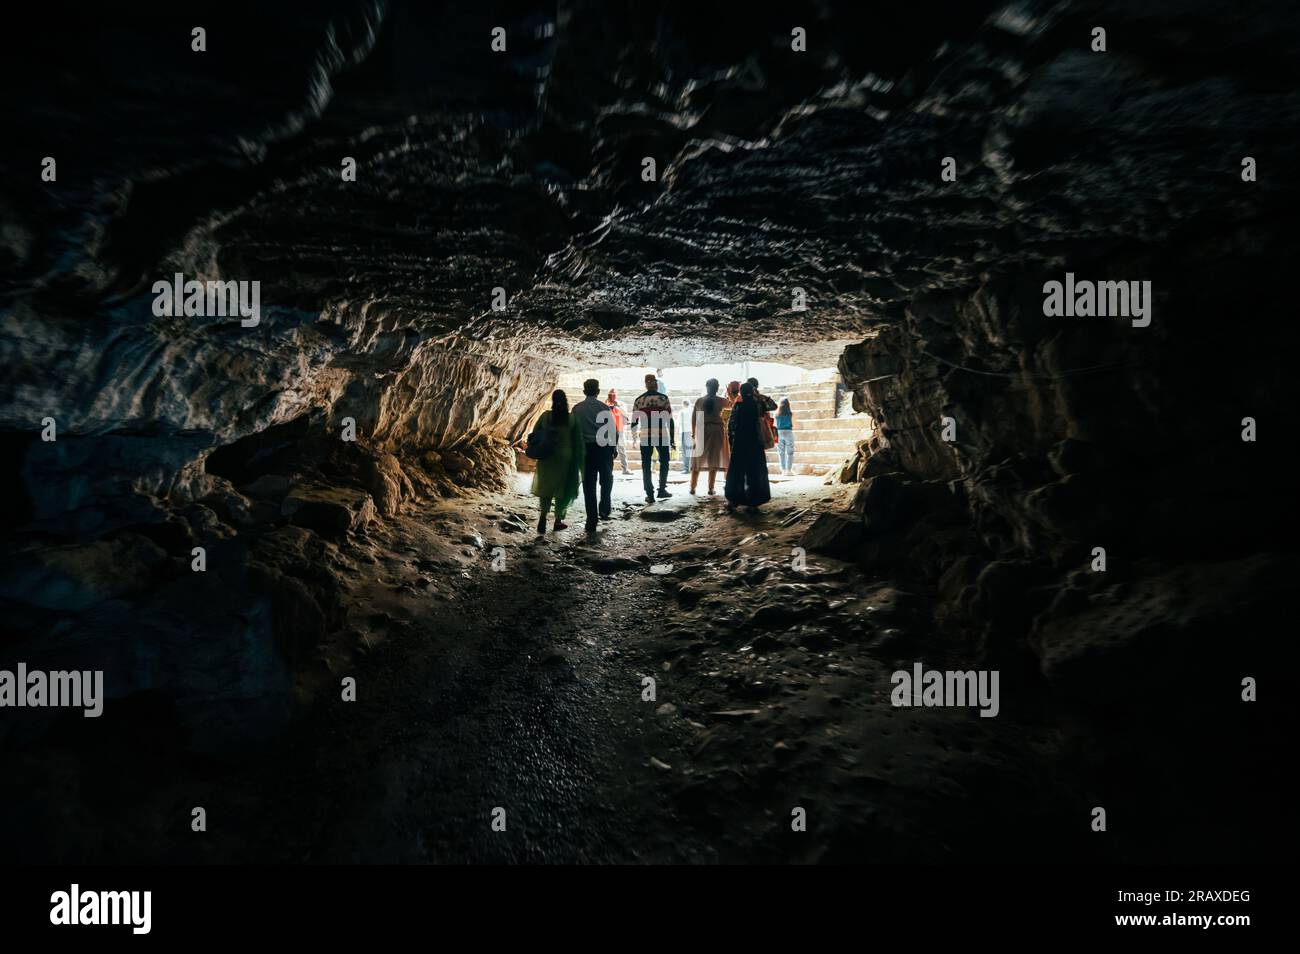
(825, 431)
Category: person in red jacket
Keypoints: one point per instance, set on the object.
(620, 423)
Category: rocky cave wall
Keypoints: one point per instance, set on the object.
(1071, 433)
(1074, 433)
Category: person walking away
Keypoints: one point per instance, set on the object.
(765, 403)
(652, 412)
(555, 481)
(765, 408)
(733, 395)
(687, 430)
(598, 440)
(747, 474)
(785, 437)
(620, 425)
(710, 435)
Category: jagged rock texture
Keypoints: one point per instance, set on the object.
(776, 170)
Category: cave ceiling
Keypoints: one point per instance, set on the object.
(775, 170)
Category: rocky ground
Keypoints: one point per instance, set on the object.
(522, 688)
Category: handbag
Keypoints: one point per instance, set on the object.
(766, 432)
(541, 442)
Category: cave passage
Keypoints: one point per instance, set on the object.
(824, 430)
(285, 290)
(503, 668)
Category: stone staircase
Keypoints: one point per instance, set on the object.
(825, 428)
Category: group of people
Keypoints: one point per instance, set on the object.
(728, 432)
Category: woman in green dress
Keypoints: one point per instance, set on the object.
(556, 479)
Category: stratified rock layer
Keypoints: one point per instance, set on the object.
(775, 173)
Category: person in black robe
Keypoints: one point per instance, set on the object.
(747, 472)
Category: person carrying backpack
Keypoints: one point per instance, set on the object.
(556, 445)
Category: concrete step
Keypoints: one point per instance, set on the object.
(801, 390)
(827, 406)
(821, 451)
(828, 424)
(831, 440)
(817, 452)
(773, 470)
(818, 458)
(813, 458)
(817, 447)
(805, 439)
(846, 434)
(808, 441)
(804, 408)
(805, 423)
(813, 402)
(848, 427)
(833, 425)
(820, 410)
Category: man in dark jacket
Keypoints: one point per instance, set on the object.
(599, 433)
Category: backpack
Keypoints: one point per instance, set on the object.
(542, 441)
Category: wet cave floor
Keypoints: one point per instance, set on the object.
(522, 687)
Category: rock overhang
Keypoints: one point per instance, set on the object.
(782, 180)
